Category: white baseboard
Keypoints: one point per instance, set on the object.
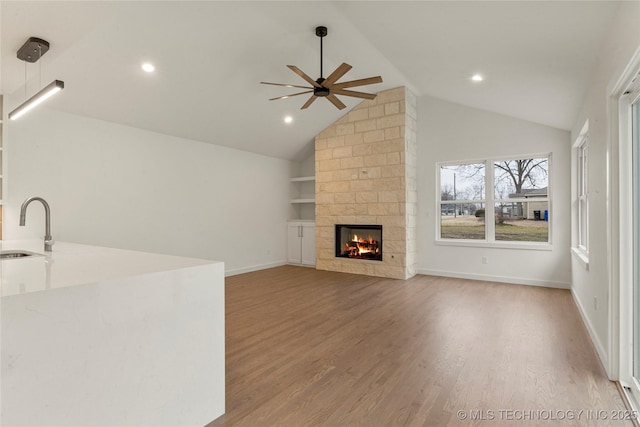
(501, 279)
(254, 268)
(602, 354)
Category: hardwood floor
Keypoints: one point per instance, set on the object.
(316, 348)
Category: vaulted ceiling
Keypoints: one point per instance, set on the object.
(536, 56)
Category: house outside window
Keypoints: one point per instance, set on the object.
(516, 212)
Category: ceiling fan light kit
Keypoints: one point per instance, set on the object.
(327, 88)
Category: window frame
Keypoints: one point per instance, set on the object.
(440, 203)
(580, 197)
(490, 201)
(583, 195)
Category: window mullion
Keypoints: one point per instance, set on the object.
(489, 210)
(438, 204)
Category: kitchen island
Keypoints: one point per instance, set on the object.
(100, 336)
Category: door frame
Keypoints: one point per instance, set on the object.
(620, 218)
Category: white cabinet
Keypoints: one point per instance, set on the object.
(301, 242)
(308, 243)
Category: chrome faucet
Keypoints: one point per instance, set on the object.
(48, 240)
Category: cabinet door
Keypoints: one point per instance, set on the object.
(293, 244)
(309, 244)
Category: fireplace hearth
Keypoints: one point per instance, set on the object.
(359, 241)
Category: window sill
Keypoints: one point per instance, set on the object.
(581, 256)
(531, 246)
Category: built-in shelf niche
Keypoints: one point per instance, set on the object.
(303, 190)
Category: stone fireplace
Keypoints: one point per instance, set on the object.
(366, 178)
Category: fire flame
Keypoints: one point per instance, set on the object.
(363, 246)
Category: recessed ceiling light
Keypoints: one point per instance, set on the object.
(477, 78)
(288, 119)
(148, 67)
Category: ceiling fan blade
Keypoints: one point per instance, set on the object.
(309, 102)
(289, 96)
(335, 101)
(339, 72)
(301, 73)
(359, 82)
(285, 85)
(353, 93)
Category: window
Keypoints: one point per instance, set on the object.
(462, 201)
(516, 210)
(583, 195)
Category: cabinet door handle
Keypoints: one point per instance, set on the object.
(301, 231)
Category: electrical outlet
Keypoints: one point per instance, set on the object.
(595, 303)
(485, 260)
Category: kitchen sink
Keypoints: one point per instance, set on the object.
(17, 254)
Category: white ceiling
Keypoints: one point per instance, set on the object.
(537, 58)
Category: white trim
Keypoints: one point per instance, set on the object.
(623, 296)
(582, 135)
(592, 334)
(580, 191)
(494, 158)
(581, 256)
(500, 279)
(627, 75)
(253, 268)
(612, 204)
(490, 205)
(631, 398)
(532, 246)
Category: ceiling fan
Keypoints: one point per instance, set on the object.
(328, 88)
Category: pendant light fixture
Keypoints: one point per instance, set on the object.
(31, 52)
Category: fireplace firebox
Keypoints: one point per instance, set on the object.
(359, 241)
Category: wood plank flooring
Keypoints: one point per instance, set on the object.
(316, 348)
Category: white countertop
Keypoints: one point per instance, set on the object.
(72, 264)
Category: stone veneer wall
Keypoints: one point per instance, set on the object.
(366, 174)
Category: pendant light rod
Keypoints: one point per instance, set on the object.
(51, 89)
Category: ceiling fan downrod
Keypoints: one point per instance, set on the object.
(321, 32)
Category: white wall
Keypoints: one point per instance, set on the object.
(118, 186)
(596, 282)
(451, 132)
